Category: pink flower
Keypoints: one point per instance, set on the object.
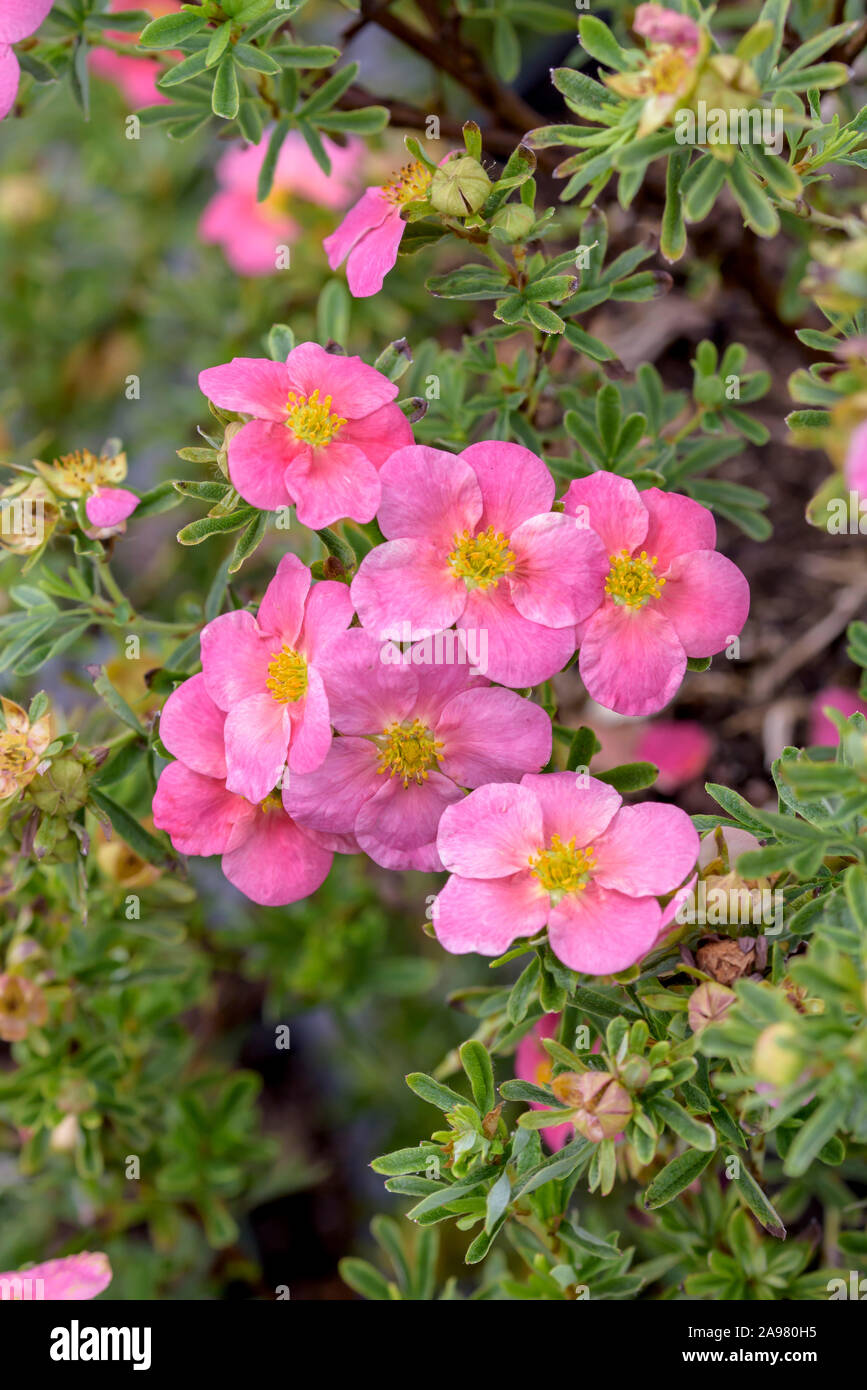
(249, 231)
(680, 748)
(323, 425)
(855, 465)
(472, 540)
(108, 507)
(659, 25)
(265, 674)
(74, 1278)
(533, 1064)
(265, 855)
(668, 595)
(822, 731)
(413, 736)
(369, 235)
(564, 852)
(18, 20)
(676, 48)
(135, 77)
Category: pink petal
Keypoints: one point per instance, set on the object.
(330, 798)
(405, 590)
(532, 1063)
(250, 238)
(191, 728)
(259, 455)
(677, 525)
(428, 494)
(251, 385)
(364, 691)
(855, 465)
(398, 826)
(612, 507)
(600, 931)
(73, 1278)
(647, 849)
(560, 570)
(197, 813)
(281, 611)
(311, 731)
(492, 833)
(21, 18)
(327, 615)
(514, 482)
(680, 748)
(573, 807)
(492, 736)
(10, 75)
(235, 658)
(822, 731)
(658, 24)
(706, 600)
(487, 915)
(520, 653)
(370, 211)
(379, 434)
(277, 863)
(355, 389)
(373, 256)
(257, 739)
(442, 671)
(631, 660)
(109, 506)
(331, 483)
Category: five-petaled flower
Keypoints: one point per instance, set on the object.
(21, 747)
(472, 540)
(668, 595)
(323, 425)
(676, 45)
(96, 479)
(265, 673)
(18, 20)
(564, 852)
(412, 737)
(370, 234)
(263, 853)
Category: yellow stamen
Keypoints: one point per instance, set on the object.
(631, 580)
(481, 560)
(561, 868)
(311, 420)
(273, 802)
(16, 755)
(409, 751)
(410, 185)
(287, 676)
(669, 70)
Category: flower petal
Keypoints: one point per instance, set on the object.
(514, 482)
(677, 525)
(398, 826)
(631, 661)
(72, 1278)
(380, 434)
(259, 455)
(327, 615)
(373, 256)
(428, 494)
(573, 806)
(600, 931)
(109, 506)
(612, 507)
(486, 915)
(252, 385)
(281, 611)
(197, 813)
(492, 735)
(560, 570)
(333, 482)
(520, 653)
(21, 18)
(370, 211)
(706, 600)
(311, 728)
(235, 658)
(191, 727)
(647, 849)
(330, 798)
(366, 692)
(355, 389)
(492, 833)
(277, 863)
(257, 739)
(405, 590)
(10, 76)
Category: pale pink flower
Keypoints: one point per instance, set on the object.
(676, 46)
(560, 851)
(412, 737)
(668, 595)
(855, 465)
(250, 232)
(532, 1063)
(264, 854)
(18, 20)
(323, 425)
(680, 748)
(659, 25)
(472, 540)
(848, 702)
(265, 673)
(369, 235)
(135, 77)
(71, 1279)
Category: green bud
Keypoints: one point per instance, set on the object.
(62, 790)
(777, 1058)
(515, 220)
(459, 187)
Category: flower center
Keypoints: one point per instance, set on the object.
(15, 754)
(561, 868)
(273, 802)
(287, 676)
(543, 1072)
(409, 751)
(481, 560)
(631, 580)
(668, 71)
(311, 420)
(410, 185)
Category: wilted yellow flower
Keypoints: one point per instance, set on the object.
(22, 1004)
(118, 861)
(81, 473)
(21, 747)
(28, 514)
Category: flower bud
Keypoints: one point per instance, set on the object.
(65, 1136)
(602, 1107)
(459, 187)
(516, 220)
(708, 1003)
(776, 1058)
(62, 790)
(635, 1073)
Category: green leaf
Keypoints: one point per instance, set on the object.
(675, 1177)
(403, 1161)
(694, 1132)
(630, 777)
(672, 242)
(468, 282)
(814, 1135)
(702, 186)
(144, 844)
(497, 1203)
(225, 98)
(171, 30)
(363, 1279)
(115, 701)
(757, 210)
(757, 1201)
(433, 1092)
(281, 341)
(476, 1062)
(218, 45)
(597, 40)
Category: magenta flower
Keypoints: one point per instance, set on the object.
(370, 233)
(264, 854)
(680, 748)
(413, 736)
(264, 673)
(71, 1279)
(472, 540)
(323, 425)
(668, 595)
(659, 25)
(136, 78)
(249, 231)
(564, 852)
(848, 702)
(855, 463)
(532, 1063)
(18, 20)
